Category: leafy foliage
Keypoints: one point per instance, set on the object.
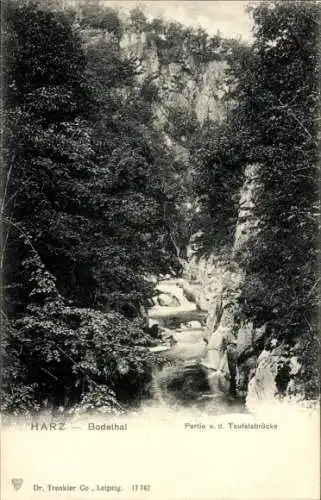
(176, 43)
(281, 110)
(274, 93)
(86, 182)
(218, 155)
(61, 355)
(93, 16)
(95, 197)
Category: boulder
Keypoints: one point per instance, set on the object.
(180, 283)
(219, 383)
(274, 376)
(152, 322)
(262, 387)
(189, 292)
(167, 300)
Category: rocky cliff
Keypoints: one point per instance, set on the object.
(182, 80)
(185, 73)
(194, 90)
(268, 369)
(182, 70)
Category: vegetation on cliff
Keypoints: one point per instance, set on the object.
(86, 185)
(274, 123)
(281, 110)
(99, 193)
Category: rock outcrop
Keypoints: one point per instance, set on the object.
(194, 86)
(267, 369)
(168, 300)
(247, 223)
(196, 89)
(183, 82)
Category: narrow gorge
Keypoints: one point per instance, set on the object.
(194, 91)
(161, 211)
(204, 304)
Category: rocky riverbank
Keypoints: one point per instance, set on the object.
(182, 328)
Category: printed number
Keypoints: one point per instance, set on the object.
(141, 487)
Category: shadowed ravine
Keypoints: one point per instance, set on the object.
(185, 382)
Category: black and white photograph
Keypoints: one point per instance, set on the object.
(160, 249)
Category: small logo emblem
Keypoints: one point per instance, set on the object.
(16, 483)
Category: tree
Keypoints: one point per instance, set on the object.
(280, 95)
(48, 151)
(94, 16)
(137, 176)
(272, 120)
(68, 227)
(78, 358)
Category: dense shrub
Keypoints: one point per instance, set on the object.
(86, 180)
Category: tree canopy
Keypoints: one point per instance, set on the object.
(96, 197)
(274, 94)
(83, 218)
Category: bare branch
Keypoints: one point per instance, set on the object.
(49, 373)
(3, 249)
(290, 111)
(14, 224)
(6, 185)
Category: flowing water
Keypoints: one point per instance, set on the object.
(184, 382)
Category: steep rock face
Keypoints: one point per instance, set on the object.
(194, 86)
(216, 284)
(268, 369)
(247, 223)
(134, 46)
(275, 376)
(189, 90)
(217, 280)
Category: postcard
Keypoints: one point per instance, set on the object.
(160, 223)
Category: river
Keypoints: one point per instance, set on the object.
(184, 382)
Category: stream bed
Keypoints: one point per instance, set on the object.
(184, 381)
